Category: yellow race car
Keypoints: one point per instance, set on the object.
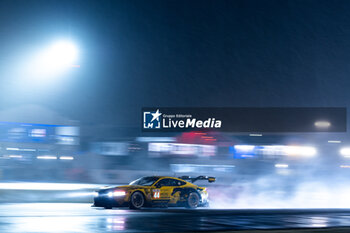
(155, 191)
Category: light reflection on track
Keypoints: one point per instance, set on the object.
(62, 217)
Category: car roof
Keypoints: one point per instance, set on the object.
(169, 177)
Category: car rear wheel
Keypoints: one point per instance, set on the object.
(192, 200)
(137, 200)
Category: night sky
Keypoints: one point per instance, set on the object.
(177, 53)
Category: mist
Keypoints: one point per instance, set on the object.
(271, 192)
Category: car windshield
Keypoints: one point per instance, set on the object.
(146, 181)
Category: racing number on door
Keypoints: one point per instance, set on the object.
(156, 193)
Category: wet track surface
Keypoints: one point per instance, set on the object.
(62, 217)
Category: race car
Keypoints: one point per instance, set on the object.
(155, 191)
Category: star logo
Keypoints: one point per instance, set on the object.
(151, 119)
(156, 115)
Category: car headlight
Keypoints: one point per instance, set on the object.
(95, 194)
(117, 193)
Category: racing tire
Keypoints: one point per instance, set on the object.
(193, 200)
(137, 200)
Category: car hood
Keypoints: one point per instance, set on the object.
(131, 187)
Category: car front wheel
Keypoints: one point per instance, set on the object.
(137, 200)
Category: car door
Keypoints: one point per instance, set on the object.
(162, 190)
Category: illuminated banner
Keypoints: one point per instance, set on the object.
(244, 119)
(38, 133)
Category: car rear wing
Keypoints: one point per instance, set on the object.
(210, 179)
